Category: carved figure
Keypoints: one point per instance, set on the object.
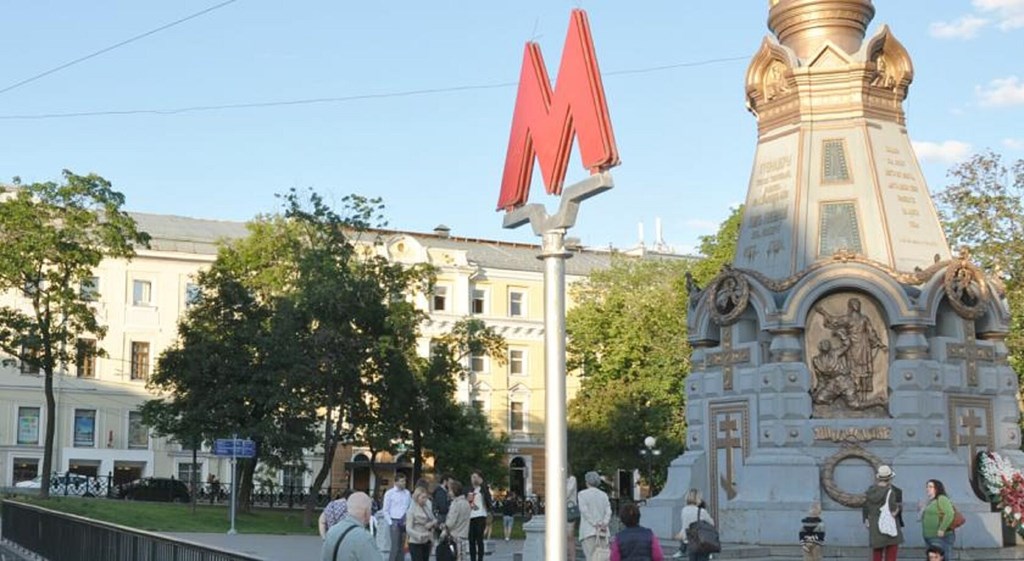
(859, 343)
(692, 289)
(884, 75)
(775, 81)
(833, 375)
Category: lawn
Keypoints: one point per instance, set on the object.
(173, 517)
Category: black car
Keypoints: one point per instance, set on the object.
(155, 489)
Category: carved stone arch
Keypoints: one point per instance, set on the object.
(403, 248)
(896, 58)
(852, 276)
(770, 54)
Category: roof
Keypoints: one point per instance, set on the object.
(201, 236)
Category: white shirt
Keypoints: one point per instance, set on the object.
(396, 503)
(478, 508)
(691, 514)
(571, 491)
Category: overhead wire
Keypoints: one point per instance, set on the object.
(115, 46)
(344, 99)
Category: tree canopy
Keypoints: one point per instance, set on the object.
(54, 236)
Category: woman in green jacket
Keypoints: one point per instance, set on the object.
(936, 518)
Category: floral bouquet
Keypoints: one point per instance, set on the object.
(1005, 487)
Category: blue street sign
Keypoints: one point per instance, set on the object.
(238, 447)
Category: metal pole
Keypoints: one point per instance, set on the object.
(555, 437)
(234, 484)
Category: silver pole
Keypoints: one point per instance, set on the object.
(555, 434)
(234, 484)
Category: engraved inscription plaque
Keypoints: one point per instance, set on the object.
(839, 229)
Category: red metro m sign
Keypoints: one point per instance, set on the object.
(545, 120)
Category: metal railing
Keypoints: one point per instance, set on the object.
(57, 536)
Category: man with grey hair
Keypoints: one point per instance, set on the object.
(349, 540)
(595, 513)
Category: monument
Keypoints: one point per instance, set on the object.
(845, 334)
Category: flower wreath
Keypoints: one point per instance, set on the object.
(1004, 485)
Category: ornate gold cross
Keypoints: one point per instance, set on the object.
(972, 439)
(970, 352)
(728, 443)
(727, 358)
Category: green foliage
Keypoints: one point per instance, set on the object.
(54, 236)
(983, 211)
(628, 337)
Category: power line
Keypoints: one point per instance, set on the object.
(115, 46)
(343, 99)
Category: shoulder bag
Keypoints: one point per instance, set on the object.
(886, 521)
(702, 536)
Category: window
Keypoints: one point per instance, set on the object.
(479, 405)
(293, 478)
(439, 301)
(85, 358)
(142, 293)
(185, 473)
(138, 433)
(85, 427)
(31, 287)
(516, 304)
(833, 161)
(478, 305)
(24, 469)
(140, 360)
(517, 362)
(89, 289)
(28, 426)
(516, 417)
(191, 294)
(30, 358)
(478, 363)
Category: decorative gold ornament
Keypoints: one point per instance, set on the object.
(828, 471)
(729, 294)
(965, 287)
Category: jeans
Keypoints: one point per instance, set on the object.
(945, 542)
(507, 522)
(476, 538)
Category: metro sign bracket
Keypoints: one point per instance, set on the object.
(565, 218)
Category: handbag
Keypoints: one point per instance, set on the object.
(572, 512)
(603, 550)
(702, 537)
(886, 521)
(958, 519)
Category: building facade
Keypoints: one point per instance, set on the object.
(100, 432)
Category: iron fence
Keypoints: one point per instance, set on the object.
(57, 536)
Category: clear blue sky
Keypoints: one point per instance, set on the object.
(685, 139)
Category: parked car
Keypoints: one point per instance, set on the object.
(67, 484)
(155, 489)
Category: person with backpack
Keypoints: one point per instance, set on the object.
(938, 518)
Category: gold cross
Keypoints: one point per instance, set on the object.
(972, 439)
(727, 358)
(970, 352)
(729, 443)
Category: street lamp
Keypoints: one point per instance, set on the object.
(649, 452)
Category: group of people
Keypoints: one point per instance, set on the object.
(451, 520)
(632, 543)
(938, 516)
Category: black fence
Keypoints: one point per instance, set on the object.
(57, 536)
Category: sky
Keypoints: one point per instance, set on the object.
(416, 102)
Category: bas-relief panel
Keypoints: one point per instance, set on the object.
(767, 233)
(910, 216)
(847, 344)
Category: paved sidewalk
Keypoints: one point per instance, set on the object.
(302, 548)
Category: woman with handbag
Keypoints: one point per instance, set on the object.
(938, 518)
(420, 525)
(880, 513)
(692, 512)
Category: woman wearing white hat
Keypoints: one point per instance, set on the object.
(881, 513)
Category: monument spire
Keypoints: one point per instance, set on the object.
(803, 25)
(833, 160)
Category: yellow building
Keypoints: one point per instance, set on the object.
(99, 431)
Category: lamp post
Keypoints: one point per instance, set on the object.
(649, 452)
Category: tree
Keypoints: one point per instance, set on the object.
(54, 236)
(437, 415)
(983, 211)
(628, 338)
(627, 335)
